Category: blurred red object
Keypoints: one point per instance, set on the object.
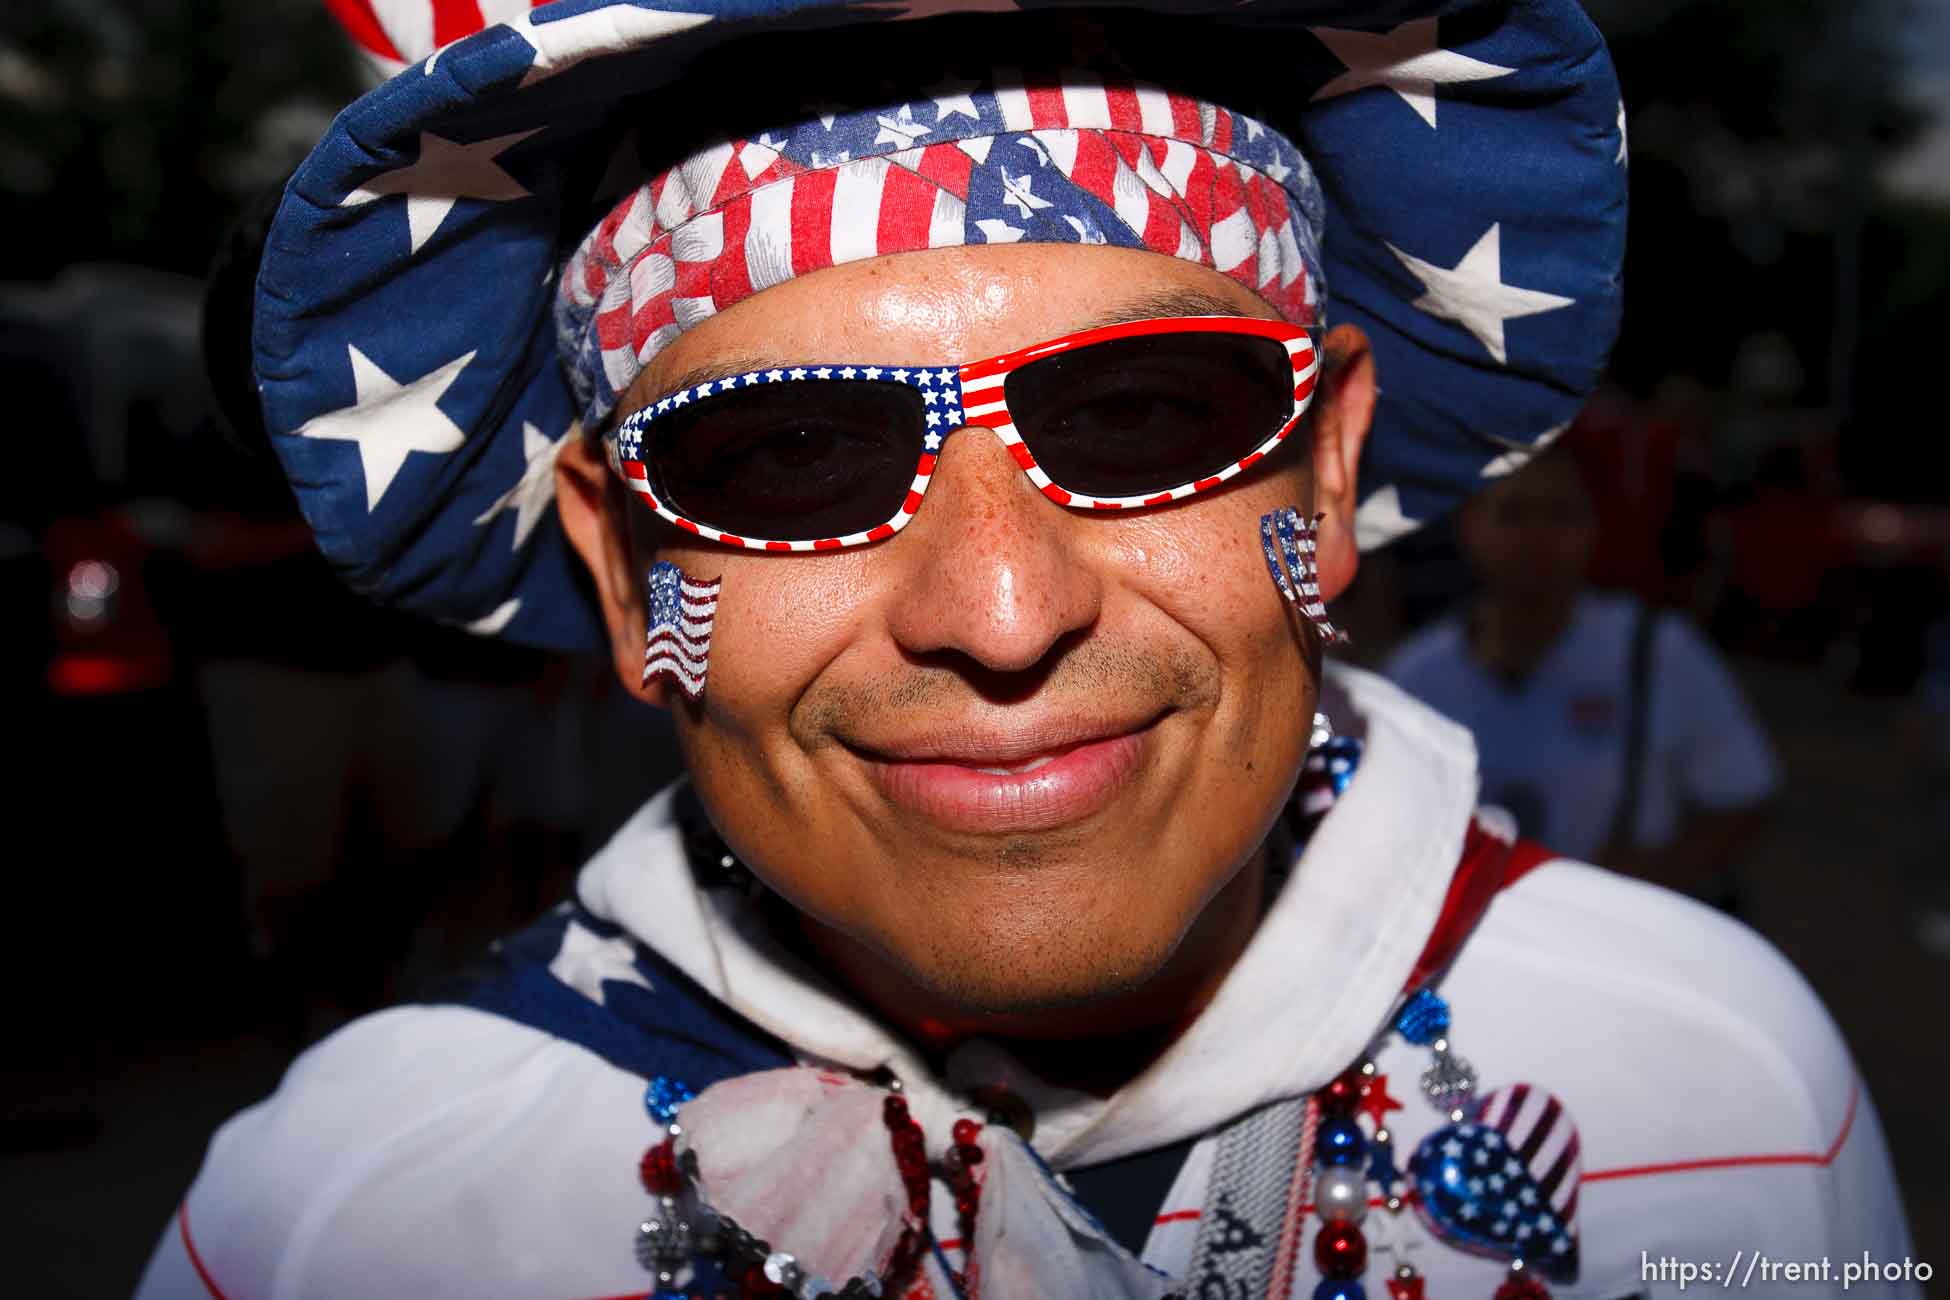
(107, 638)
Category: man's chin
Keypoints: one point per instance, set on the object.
(1034, 986)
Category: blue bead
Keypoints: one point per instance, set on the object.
(664, 1096)
(1339, 1141)
(1340, 1289)
(1423, 1018)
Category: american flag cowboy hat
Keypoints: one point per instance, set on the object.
(1470, 167)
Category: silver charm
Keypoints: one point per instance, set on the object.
(1323, 731)
(1449, 1081)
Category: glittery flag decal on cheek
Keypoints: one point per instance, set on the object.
(682, 610)
(1288, 540)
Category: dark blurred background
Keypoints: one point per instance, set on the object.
(244, 807)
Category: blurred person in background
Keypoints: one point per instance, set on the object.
(1608, 728)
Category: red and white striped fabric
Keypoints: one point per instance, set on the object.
(390, 34)
(1084, 159)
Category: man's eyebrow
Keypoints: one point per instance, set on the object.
(710, 372)
(1167, 302)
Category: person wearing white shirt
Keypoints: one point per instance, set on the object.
(1613, 732)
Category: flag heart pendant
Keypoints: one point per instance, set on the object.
(1503, 1181)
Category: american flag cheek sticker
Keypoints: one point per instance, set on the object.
(682, 612)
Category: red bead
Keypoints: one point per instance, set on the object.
(1523, 1286)
(756, 1283)
(966, 1206)
(659, 1169)
(965, 1131)
(1340, 1250)
(894, 1112)
(1343, 1094)
(1405, 1288)
(917, 1203)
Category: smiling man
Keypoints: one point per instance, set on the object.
(962, 454)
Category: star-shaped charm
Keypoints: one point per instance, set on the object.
(534, 492)
(444, 172)
(586, 962)
(388, 419)
(1473, 292)
(1405, 59)
(1375, 1102)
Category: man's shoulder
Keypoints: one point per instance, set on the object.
(1663, 1007)
(387, 1142)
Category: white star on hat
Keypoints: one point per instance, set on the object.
(1516, 455)
(1379, 520)
(444, 171)
(388, 419)
(565, 42)
(1474, 294)
(492, 624)
(534, 492)
(1405, 59)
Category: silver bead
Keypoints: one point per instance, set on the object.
(1323, 731)
(1394, 1205)
(1449, 1081)
(781, 1269)
(1341, 1193)
(1404, 1271)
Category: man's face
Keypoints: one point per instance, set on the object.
(1008, 756)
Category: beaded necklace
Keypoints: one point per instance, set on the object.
(1475, 1182)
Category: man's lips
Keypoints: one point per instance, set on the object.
(1035, 777)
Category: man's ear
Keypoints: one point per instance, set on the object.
(1343, 409)
(595, 515)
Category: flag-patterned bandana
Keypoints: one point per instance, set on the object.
(1469, 154)
(1072, 159)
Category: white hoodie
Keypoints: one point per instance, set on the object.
(434, 1151)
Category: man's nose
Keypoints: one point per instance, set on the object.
(994, 569)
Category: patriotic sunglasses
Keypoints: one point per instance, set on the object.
(818, 458)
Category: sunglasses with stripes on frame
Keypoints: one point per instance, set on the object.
(822, 457)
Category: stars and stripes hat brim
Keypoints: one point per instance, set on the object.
(1469, 158)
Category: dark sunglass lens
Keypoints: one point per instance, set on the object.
(789, 461)
(1136, 416)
